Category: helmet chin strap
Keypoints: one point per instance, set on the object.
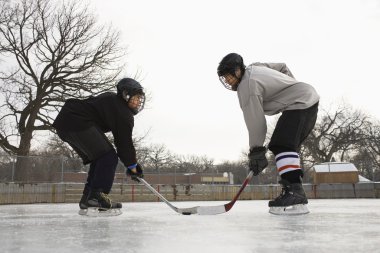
(238, 75)
(126, 96)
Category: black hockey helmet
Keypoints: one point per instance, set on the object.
(127, 88)
(228, 65)
(128, 84)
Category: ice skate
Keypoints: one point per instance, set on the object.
(292, 200)
(83, 200)
(99, 204)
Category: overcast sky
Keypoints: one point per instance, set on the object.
(177, 45)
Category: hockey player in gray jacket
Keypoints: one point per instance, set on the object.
(268, 89)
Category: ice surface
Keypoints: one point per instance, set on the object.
(331, 226)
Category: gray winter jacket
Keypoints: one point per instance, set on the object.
(268, 89)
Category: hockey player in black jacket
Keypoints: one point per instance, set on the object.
(82, 124)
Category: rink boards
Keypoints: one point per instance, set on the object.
(13, 193)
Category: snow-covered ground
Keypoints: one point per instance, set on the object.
(339, 225)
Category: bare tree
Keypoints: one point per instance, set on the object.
(59, 52)
(367, 158)
(335, 135)
(159, 157)
(194, 164)
(142, 152)
(207, 164)
(238, 169)
(372, 144)
(3, 7)
(365, 163)
(343, 134)
(56, 147)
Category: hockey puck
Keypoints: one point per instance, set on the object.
(186, 213)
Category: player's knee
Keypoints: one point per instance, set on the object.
(112, 158)
(109, 160)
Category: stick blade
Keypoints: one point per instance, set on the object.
(211, 210)
(203, 210)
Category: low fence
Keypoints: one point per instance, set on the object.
(13, 193)
(60, 180)
(59, 169)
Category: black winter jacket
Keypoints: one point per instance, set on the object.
(109, 113)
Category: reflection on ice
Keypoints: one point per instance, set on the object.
(331, 226)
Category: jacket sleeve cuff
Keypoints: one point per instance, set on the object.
(132, 166)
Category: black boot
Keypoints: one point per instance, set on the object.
(292, 194)
(84, 199)
(101, 200)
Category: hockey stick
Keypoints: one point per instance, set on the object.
(201, 210)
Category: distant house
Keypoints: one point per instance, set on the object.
(335, 172)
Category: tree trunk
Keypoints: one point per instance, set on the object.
(23, 168)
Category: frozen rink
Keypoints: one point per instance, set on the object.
(339, 225)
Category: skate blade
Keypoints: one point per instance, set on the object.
(289, 210)
(100, 212)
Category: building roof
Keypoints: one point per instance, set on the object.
(364, 180)
(334, 167)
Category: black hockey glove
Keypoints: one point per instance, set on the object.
(257, 160)
(134, 171)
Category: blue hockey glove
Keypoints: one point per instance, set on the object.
(257, 160)
(134, 171)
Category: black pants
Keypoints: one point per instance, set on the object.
(94, 147)
(291, 130)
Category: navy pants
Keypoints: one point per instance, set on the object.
(94, 148)
(102, 172)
